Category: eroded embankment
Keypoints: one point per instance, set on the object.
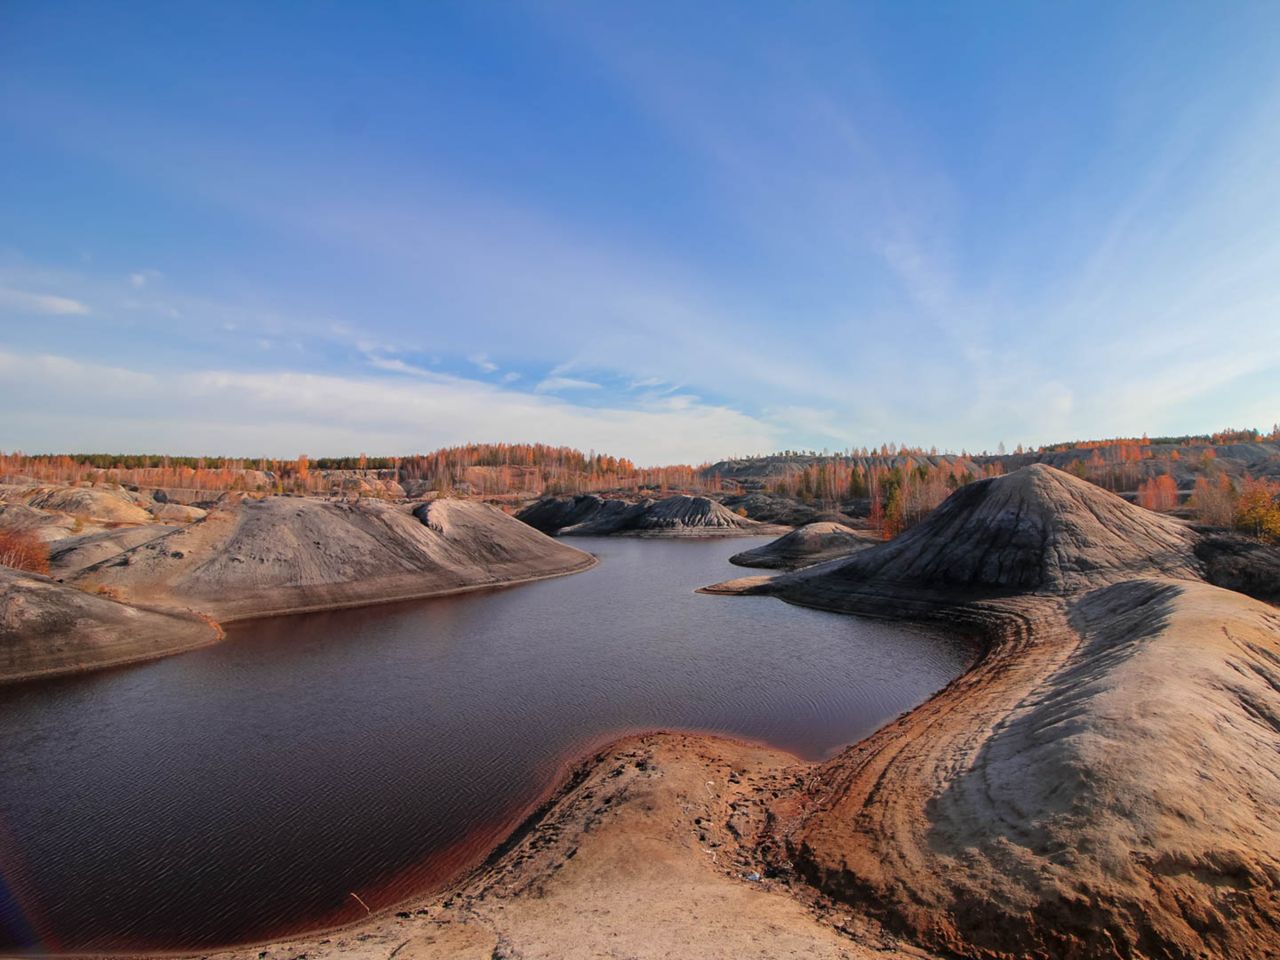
(805, 546)
(675, 516)
(285, 555)
(647, 850)
(1103, 782)
(48, 629)
(135, 595)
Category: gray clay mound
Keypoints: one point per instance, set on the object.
(590, 515)
(813, 543)
(1038, 530)
(47, 628)
(259, 557)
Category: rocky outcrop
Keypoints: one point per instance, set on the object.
(811, 544)
(589, 515)
(47, 628)
(281, 554)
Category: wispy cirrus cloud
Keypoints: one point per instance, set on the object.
(22, 302)
(396, 365)
(557, 384)
(43, 399)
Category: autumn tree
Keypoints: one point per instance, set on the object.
(876, 517)
(1213, 501)
(21, 550)
(1158, 493)
(1257, 509)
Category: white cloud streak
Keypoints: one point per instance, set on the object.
(20, 302)
(44, 399)
(556, 384)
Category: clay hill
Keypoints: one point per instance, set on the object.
(589, 515)
(132, 591)
(778, 509)
(1038, 530)
(1104, 782)
(88, 503)
(805, 546)
(281, 554)
(48, 628)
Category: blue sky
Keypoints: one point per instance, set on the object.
(670, 231)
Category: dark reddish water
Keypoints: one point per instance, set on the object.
(245, 790)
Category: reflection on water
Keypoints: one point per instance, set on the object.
(246, 790)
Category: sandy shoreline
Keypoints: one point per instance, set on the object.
(449, 914)
(660, 827)
(572, 772)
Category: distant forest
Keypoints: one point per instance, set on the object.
(1228, 477)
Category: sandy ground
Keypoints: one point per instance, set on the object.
(646, 853)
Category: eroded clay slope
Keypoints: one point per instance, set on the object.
(1035, 531)
(1104, 782)
(91, 503)
(589, 515)
(805, 546)
(48, 628)
(260, 557)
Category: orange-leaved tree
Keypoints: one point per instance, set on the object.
(1158, 493)
(23, 551)
(1258, 509)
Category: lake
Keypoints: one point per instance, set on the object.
(244, 791)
